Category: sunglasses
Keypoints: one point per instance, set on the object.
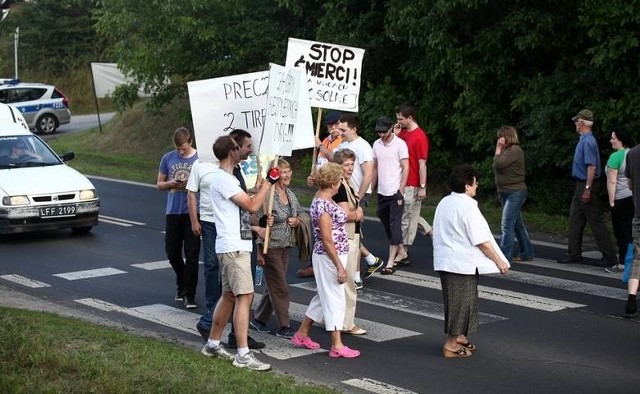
(383, 131)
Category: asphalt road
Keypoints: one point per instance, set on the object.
(544, 327)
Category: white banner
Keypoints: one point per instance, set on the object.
(280, 126)
(219, 105)
(107, 76)
(333, 72)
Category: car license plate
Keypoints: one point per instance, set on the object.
(59, 211)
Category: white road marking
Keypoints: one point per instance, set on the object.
(569, 285)
(489, 293)
(185, 321)
(577, 268)
(376, 332)
(404, 304)
(153, 265)
(24, 281)
(375, 386)
(122, 220)
(115, 222)
(88, 274)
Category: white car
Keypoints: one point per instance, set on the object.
(38, 191)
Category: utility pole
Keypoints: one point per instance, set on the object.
(15, 51)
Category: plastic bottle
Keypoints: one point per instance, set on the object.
(258, 278)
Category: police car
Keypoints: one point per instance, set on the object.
(43, 106)
(38, 191)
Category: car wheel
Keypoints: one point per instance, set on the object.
(81, 230)
(47, 124)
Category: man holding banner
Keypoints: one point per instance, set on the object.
(234, 243)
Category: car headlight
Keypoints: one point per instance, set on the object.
(15, 200)
(88, 194)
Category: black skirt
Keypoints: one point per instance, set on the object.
(460, 297)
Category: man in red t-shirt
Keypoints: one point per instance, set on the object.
(415, 191)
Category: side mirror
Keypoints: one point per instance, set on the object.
(67, 156)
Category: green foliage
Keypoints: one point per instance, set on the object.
(55, 35)
(468, 66)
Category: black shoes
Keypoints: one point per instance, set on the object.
(253, 344)
(570, 260)
(204, 331)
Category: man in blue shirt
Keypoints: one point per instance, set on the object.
(585, 203)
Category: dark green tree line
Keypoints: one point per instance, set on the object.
(469, 66)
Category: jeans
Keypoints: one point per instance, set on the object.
(179, 237)
(212, 285)
(512, 225)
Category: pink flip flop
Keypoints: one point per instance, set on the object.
(307, 342)
(344, 352)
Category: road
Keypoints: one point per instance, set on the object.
(544, 327)
(84, 122)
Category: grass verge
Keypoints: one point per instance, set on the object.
(45, 353)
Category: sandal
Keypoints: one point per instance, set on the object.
(462, 352)
(469, 346)
(307, 342)
(402, 263)
(387, 271)
(344, 352)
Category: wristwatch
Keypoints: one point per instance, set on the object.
(587, 187)
(422, 186)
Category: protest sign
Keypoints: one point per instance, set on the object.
(219, 105)
(281, 122)
(333, 72)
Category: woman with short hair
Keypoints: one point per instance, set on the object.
(463, 248)
(329, 259)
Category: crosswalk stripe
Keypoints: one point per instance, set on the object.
(155, 265)
(117, 223)
(404, 304)
(113, 219)
(24, 281)
(375, 386)
(577, 268)
(489, 293)
(376, 332)
(567, 284)
(88, 274)
(185, 321)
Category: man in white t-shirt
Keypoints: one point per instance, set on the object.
(232, 207)
(390, 172)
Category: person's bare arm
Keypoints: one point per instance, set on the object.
(367, 173)
(489, 251)
(163, 184)
(249, 203)
(612, 179)
(324, 223)
(192, 203)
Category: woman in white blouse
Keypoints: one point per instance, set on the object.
(463, 248)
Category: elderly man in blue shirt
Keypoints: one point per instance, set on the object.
(585, 204)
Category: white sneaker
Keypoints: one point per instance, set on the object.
(219, 351)
(250, 362)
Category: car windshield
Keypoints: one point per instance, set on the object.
(25, 151)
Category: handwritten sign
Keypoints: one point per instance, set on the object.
(219, 105)
(333, 72)
(280, 126)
